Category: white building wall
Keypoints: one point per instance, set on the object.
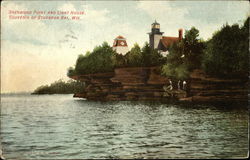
(157, 39)
(164, 54)
(121, 50)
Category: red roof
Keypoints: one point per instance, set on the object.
(167, 41)
(120, 41)
(119, 37)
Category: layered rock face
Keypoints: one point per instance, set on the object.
(97, 87)
(146, 84)
(205, 88)
(138, 83)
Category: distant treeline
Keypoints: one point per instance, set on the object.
(224, 54)
(61, 87)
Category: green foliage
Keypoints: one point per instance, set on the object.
(175, 67)
(61, 87)
(192, 49)
(71, 72)
(184, 56)
(97, 61)
(144, 57)
(227, 52)
(146, 53)
(104, 59)
(134, 57)
(151, 57)
(181, 72)
(119, 60)
(138, 57)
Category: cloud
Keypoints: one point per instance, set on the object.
(51, 32)
(26, 66)
(91, 15)
(99, 17)
(171, 18)
(204, 15)
(33, 31)
(67, 7)
(162, 11)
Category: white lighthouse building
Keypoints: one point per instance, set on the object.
(120, 45)
(160, 42)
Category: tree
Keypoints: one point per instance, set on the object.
(175, 67)
(81, 64)
(184, 56)
(99, 60)
(151, 57)
(146, 51)
(119, 60)
(71, 72)
(243, 51)
(193, 49)
(226, 52)
(134, 57)
(137, 57)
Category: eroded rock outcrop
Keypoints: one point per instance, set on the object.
(137, 83)
(147, 84)
(211, 89)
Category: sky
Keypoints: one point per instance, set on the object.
(38, 52)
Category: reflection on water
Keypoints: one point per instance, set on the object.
(58, 126)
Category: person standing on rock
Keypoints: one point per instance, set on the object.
(179, 85)
(168, 89)
(184, 85)
(170, 85)
(1, 155)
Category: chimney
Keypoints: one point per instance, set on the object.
(180, 34)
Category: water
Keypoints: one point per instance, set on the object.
(60, 127)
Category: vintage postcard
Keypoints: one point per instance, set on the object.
(124, 79)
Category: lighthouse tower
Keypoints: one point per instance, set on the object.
(155, 35)
(120, 45)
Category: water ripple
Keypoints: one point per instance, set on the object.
(59, 127)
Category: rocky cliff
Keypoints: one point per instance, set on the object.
(146, 84)
(211, 89)
(138, 83)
